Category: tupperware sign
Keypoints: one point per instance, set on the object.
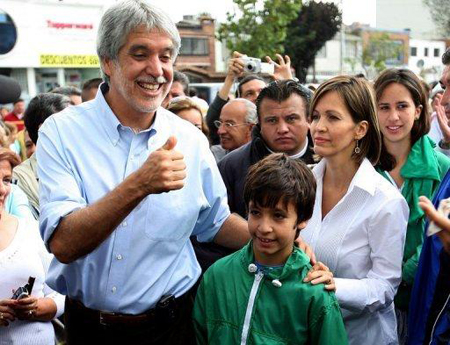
(56, 25)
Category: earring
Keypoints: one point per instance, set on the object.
(357, 149)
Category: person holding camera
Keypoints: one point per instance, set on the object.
(26, 310)
(249, 86)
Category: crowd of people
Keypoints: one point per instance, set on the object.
(136, 213)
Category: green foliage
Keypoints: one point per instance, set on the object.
(316, 24)
(261, 29)
(379, 49)
(440, 13)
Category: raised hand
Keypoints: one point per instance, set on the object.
(443, 122)
(235, 66)
(282, 69)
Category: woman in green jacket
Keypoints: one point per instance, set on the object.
(409, 161)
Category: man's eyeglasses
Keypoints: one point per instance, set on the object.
(218, 123)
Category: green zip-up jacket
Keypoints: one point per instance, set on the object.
(236, 304)
(422, 173)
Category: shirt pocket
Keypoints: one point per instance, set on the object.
(170, 216)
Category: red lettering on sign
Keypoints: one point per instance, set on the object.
(56, 25)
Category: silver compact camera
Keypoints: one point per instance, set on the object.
(255, 66)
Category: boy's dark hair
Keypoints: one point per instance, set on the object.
(281, 90)
(278, 177)
(40, 108)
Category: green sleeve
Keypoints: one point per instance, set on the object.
(410, 266)
(444, 164)
(199, 316)
(327, 326)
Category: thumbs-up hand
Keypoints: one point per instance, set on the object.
(164, 170)
(169, 145)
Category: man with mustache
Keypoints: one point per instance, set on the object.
(121, 196)
(282, 126)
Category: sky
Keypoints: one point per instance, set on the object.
(362, 11)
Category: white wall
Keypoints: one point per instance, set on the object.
(406, 14)
(432, 65)
(37, 37)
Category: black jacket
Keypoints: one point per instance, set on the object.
(234, 167)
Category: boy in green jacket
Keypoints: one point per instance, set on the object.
(258, 294)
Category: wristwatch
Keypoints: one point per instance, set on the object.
(443, 145)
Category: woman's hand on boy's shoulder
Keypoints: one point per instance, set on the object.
(306, 249)
(321, 274)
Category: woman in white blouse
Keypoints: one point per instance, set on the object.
(359, 221)
(23, 255)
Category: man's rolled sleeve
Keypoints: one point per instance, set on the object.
(59, 191)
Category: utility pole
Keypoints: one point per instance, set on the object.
(341, 2)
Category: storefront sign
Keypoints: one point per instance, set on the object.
(55, 25)
(69, 61)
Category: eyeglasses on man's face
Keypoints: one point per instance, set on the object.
(229, 125)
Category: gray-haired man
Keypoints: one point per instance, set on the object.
(121, 196)
(235, 124)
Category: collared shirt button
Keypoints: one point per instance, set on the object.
(119, 257)
(124, 224)
(113, 289)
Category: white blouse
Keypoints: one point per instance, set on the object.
(27, 256)
(361, 240)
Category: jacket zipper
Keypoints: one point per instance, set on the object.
(437, 319)
(249, 311)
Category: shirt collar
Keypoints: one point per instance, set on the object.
(363, 178)
(295, 155)
(112, 125)
(107, 118)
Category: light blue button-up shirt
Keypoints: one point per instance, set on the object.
(83, 153)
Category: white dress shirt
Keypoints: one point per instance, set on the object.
(361, 240)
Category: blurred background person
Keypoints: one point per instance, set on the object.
(16, 115)
(188, 109)
(180, 87)
(90, 88)
(249, 86)
(72, 92)
(3, 112)
(40, 108)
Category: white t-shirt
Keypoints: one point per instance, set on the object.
(27, 256)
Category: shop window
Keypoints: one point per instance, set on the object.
(437, 53)
(413, 51)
